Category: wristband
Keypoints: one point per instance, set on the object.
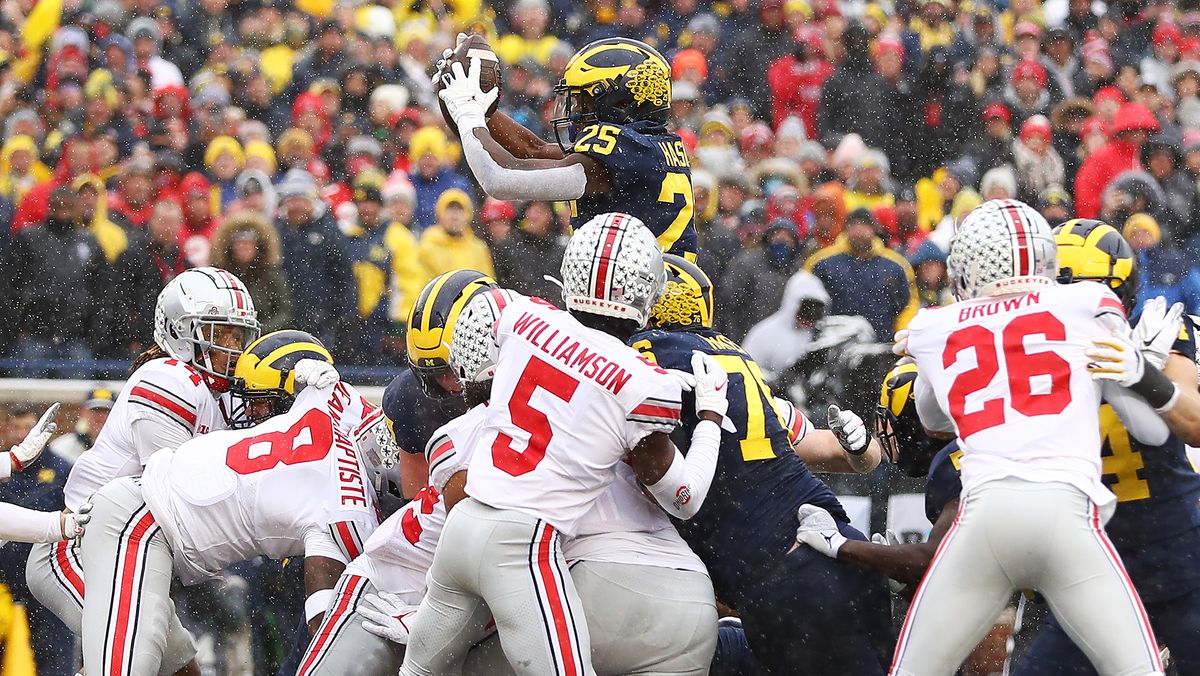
(15, 462)
(1156, 388)
(317, 603)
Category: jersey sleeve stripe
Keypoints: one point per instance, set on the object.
(345, 533)
(1110, 303)
(152, 396)
(166, 392)
(373, 416)
(441, 450)
(652, 413)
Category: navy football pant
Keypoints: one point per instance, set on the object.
(813, 615)
(1176, 625)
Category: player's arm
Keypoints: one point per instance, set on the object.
(30, 449)
(519, 141)
(1184, 417)
(499, 172)
(903, 563)
(321, 575)
(455, 490)
(680, 484)
(848, 450)
(18, 524)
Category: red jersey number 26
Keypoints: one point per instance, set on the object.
(537, 374)
(1051, 372)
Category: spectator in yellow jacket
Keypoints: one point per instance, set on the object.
(529, 40)
(450, 244)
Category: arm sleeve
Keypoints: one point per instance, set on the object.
(153, 431)
(26, 525)
(929, 410)
(798, 424)
(1139, 418)
(5, 466)
(552, 183)
(321, 542)
(684, 486)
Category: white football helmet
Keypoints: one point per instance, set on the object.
(613, 267)
(378, 450)
(473, 346)
(1001, 247)
(189, 309)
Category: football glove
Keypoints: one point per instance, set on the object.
(439, 68)
(315, 373)
(1116, 358)
(387, 616)
(900, 343)
(1157, 329)
(849, 429)
(890, 540)
(73, 523)
(711, 387)
(818, 530)
(34, 443)
(465, 100)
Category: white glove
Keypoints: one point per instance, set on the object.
(465, 100)
(1116, 358)
(34, 443)
(440, 66)
(73, 523)
(1157, 329)
(849, 429)
(890, 540)
(711, 387)
(687, 381)
(900, 343)
(315, 373)
(818, 530)
(387, 616)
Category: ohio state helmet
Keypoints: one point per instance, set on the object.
(1001, 247)
(613, 267)
(189, 309)
(473, 346)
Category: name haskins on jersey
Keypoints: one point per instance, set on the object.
(282, 488)
(549, 368)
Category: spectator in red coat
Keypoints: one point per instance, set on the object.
(77, 160)
(1130, 130)
(133, 201)
(795, 81)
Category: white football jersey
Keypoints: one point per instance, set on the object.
(567, 403)
(627, 526)
(399, 553)
(291, 485)
(1010, 373)
(166, 392)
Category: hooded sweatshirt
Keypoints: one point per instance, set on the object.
(775, 342)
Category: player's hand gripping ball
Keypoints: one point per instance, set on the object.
(465, 47)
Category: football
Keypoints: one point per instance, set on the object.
(489, 73)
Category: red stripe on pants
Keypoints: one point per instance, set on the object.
(69, 572)
(557, 612)
(321, 640)
(129, 566)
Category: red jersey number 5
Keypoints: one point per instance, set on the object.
(537, 374)
(1022, 368)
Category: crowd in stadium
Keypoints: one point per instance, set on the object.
(299, 145)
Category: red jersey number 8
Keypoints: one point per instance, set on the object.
(1022, 368)
(536, 374)
(310, 438)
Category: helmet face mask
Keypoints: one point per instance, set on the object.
(263, 384)
(431, 325)
(573, 110)
(901, 435)
(206, 318)
(1092, 250)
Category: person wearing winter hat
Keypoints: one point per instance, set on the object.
(432, 172)
(929, 268)
(224, 158)
(782, 338)
(260, 156)
(1038, 165)
(754, 282)
(864, 278)
(450, 243)
(1056, 205)
(1162, 156)
(497, 218)
(1028, 93)
(532, 253)
(1131, 128)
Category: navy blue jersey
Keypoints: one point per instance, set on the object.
(413, 416)
(944, 483)
(748, 520)
(651, 179)
(1156, 527)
